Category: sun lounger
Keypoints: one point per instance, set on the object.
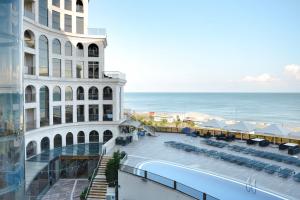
(285, 173)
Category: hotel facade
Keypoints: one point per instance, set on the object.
(69, 98)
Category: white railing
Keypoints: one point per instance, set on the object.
(114, 75)
(109, 145)
(97, 31)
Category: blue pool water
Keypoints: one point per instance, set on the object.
(283, 108)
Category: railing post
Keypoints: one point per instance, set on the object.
(175, 185)
(204, 196)
(145, 176)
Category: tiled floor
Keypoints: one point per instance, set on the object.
(153, 148)
(66, 189)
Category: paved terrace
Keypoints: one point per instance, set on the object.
(153, 148)
(66, 189)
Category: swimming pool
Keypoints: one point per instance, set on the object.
(214, 185)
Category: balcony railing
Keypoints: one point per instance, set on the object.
(29, 14)
(29, 70)
(114, 75)
(93, 97)
(93, 117)
(97, 31)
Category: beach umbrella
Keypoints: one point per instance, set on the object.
(213, 124)
(241, 126)
(274, 129)
(294, 134)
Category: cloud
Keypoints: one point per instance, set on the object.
(263, 78)
(293, 70)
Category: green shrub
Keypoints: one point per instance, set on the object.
(83, 193)
(112, 167)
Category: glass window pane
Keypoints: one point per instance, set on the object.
(56, 66)
(68, 4)
(57, 115)
(93, 70)
(56, 94)
(68, 69)
(68, 23)
(79, 25)
(79, 69)
(43, 56)
(56, 3)
(69, 94)
(56, 46)
(69, 114)
(43, 12)
(55, 20)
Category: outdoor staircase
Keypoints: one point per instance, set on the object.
(99, 184)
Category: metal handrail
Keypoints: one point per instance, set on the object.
(93, 176)
(175, 185)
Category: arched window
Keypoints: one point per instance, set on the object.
(94, 136)
(68, 93)
(57, 141)
(80, 93)
(93, 93)
(56, 94)
(93, 50)
(79, 50)
(31, 149)
(43, 56)
(44, 106)
(107, 93)
(80, 137)
(56, 46)
(29, 39)
(107, 135)
(45, 144)
(69, 139)
(79, 6)
(68, 49)
(30, 94)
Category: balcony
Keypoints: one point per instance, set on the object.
(114, 75)
(97, 31)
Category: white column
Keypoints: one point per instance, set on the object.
(50, 105)
(38, 115)
(63, 105)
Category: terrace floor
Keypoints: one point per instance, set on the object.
(153, 148)
(66, 189)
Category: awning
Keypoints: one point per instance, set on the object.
(274, 129)
(133, 123)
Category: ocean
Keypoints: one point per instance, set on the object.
(281, 108)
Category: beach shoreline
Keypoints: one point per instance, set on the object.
(198, 118)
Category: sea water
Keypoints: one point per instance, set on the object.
(281, 108)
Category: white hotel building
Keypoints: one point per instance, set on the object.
(69, 98)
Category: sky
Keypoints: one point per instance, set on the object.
(202, 45)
